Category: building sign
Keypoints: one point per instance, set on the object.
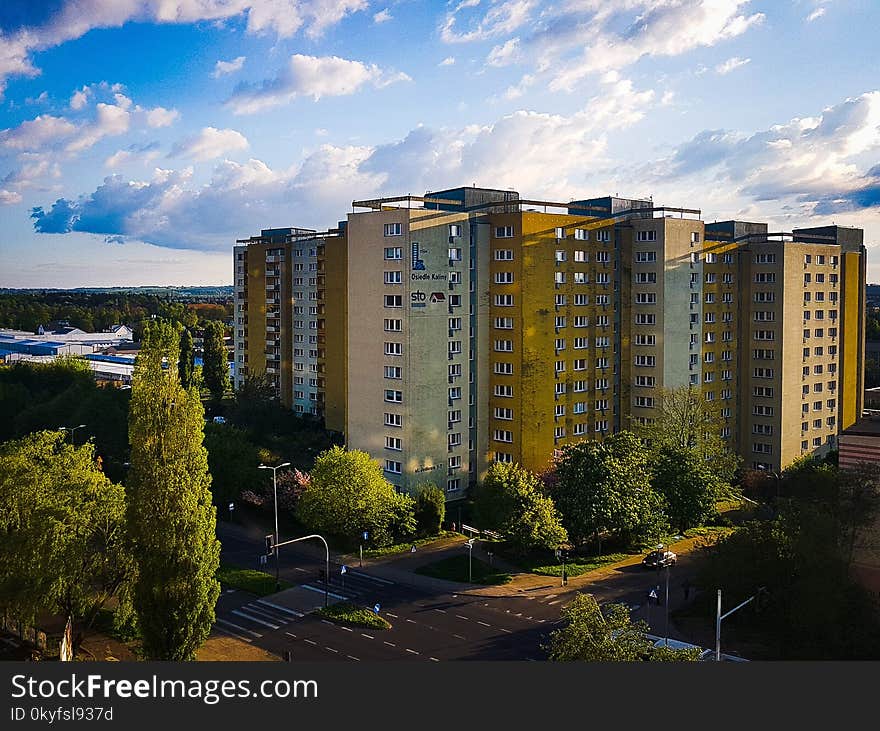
(438, 297)
(417, 298)
(427, 468)
(417, 263)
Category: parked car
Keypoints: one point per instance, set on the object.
(659, 559)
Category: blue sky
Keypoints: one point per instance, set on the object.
(140, 138)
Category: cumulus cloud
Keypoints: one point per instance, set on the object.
(811, 161)
(161, 117)
(731, 64)
(74, 18)
(221, 68)
(816, 14)
(110, 120)
(310, 76)
(448, 61)
(383, 16)
(9, 197)
(210, 143)
(554, 155)
(43, 131)
(502, 16)
(134, 153)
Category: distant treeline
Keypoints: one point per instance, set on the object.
(94, 312)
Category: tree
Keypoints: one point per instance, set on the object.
(510, 501)
(605, 634)
(186, 364)
(430, 509)
(688, 485)
(170, 516)
(64, 541)
(215, 368)
(232, 462)
(348, 494)
(603, 487)
(684, 419)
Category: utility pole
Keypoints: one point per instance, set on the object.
(275, 496)
(719, 616)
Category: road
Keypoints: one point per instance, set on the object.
(427, 624)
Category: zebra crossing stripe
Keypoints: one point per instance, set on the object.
(239, 613)
(280, 608)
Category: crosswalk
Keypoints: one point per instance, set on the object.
(259, 617)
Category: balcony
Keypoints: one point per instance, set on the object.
(272, 301)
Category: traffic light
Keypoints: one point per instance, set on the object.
(270, 545)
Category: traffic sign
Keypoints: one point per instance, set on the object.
(343, 569)
(413, 549)
(262, 560)
(232, 506)
(376, 607)
(366, 535)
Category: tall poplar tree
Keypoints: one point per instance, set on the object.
(215, 370)
(170, 516)
(185, 364)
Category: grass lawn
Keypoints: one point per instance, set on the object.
(347, 613)
(575, 567)
(406, 547)
(455, 568)
(256, 582)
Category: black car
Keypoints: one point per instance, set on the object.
(659, 559)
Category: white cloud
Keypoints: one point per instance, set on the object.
(79, 99)
(142, 154)
(731, 64)
(110, 120)
(816, 14)
(161, 117)
(38, 133)
(310, 76)
(382, 16)
(502, 17)
(210, 143)
(448, 61)
(221, 68)
(505, 54)
(75, 18)
(9, 197)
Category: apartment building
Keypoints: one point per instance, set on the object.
(470, 326)
(276, 314)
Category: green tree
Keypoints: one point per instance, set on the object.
(688, 485)
(509, 500)
(170, 516)
(215, 368)
(430, 509)
(232, 462)
(591, 633)
(605, 487)
(186, 363)
(64, 546)
(348, 494)
(684, 419)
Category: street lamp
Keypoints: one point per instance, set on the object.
(70, 430)
(470, 546)
(275, 495)
(662, 549)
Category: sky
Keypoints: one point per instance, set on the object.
(140, 138)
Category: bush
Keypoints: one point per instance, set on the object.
(430, 510)
(351, 614)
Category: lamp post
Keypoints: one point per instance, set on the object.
(719, 616)
(662, 549)
(470, 545)
(275, 496)
(70, 430)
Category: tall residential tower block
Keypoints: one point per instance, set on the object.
(444, 332)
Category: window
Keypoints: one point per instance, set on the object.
(455, 229)
(560, 366)
(646, 277)
(645, 361)
(502, 323)
(581, 278)
(454, 300)
(559, 410)
(393, 420)
(503, 277)
(504, 232)
(560, 233)
(643, 319)
(581, 234)
(455, 323)
(393, 300)
(711, 258)
(765, 258)
(455, 393)
(581, 321)
(646, 256)
(560, 255)
(392, 229)
(646, 236)
(502, 346)
(500, 435)
(581, 256)
(559, 321)
(454, 254)
(559, 277)
(504, 300)
(648, 381)
(601, 426)
(454, 439)
(394, 326)
(393, 372)
(454, 347)
(646, 298)
(394, 443)
(395, 397)
(603, 257)
(504, 391)
(579, 407)
(559, 300)
(393, 277)
(644, 402)
(393, 348)
(503, 254)
(559, 344)
(579, 386)
(581, 343)
(504, 369)
(395, 468)
(604, 235)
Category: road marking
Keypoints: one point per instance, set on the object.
(412, 651)
(311, 642)
(264, 613)
(238, 626)
(291, 634)
(461, 617)
(369, 637)
(352, 657)
(390, 644)
(542, 620)
(483, 623)
(510, 632)
(554, 602)
(391, 615)
(519, 614)
(321, 591)
(528, 617)
(300, 569)
(442, 611)
(238, 613)
(485, 604)
(286, 610)
(347, 629)
(551, 596)
(326, 621)
(434, 659)
(460, 637)
(332, 650)
(411, 621)
(371, 578)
